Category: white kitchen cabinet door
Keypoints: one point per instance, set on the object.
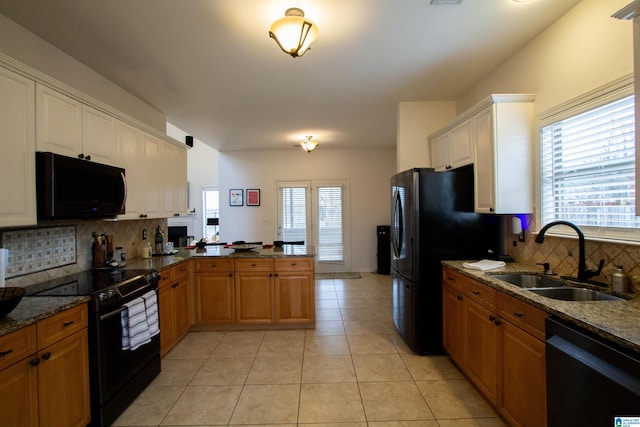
(58, 122)
(129, 154)
(17, 150)
(440, 152)
(484, 165)
(153, 186)
(98, 136)
(461, 151)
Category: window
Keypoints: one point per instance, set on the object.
(588, 164)
(211, 206)
(330, 242)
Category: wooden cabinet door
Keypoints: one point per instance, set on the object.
(215, 298)
(294, 297)
(63, 382)
(482, 348)
(17, 147)
(454, 332)
(523, 392)
(254, 297)
(165, 315)
(58, 122)
(181, 308)
(19, 391)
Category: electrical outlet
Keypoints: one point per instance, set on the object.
(521, 236)
(144, 234)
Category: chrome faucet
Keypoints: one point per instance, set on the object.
(583, 273)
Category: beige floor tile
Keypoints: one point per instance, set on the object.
(380, 367)
(285, 333)
(267, 404)
(329, 314)
(177, 371)
(431, 367)
(454, 399)
(371, 344)
(364, 313)
(326, 294)
(276, 370)
(329, 344)
(244, 343)
(327, 327)
(473, 422)
(333, 425)
(350, 293)
(150, 407)
(388, 401)
(281, 346)
(400, 344)
(327, 304)
(364, 327)
(328, 403)
(203, 405)
(328, 369)
(223, 371)
(354, 303)
(418, 423)
(196, 345)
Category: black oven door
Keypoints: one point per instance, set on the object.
(118, 375)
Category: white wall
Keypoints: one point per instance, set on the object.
(26, 47)
(583, 50)
(416, 121)
(368, 172)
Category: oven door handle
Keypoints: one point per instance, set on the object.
(113, 313)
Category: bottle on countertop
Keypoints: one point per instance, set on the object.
(120, 256)
(159, 241)
(620, 281)
(146, 250)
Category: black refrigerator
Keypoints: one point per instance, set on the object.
(432, 219)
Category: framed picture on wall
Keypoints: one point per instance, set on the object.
(235, 197)
(253, 197)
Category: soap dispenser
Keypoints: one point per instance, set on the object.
(620, 281)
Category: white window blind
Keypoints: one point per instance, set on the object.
(293, 212)
(330, 213)
(588, 167)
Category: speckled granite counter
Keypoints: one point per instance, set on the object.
(618, 321)
(160, 262)
(32, 309)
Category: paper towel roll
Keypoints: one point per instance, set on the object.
(4, 259)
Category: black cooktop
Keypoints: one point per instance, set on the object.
(84, 283)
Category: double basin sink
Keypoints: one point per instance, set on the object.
(554, 289)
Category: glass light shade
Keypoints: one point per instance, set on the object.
(308, 145)
(293, 33)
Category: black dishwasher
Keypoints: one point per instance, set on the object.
(590, 382)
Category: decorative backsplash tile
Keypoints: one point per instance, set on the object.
(38, 249)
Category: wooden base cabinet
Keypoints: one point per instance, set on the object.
(254, 290)
(498, 342)
(173, 299)
(215, 292)
(47, 384)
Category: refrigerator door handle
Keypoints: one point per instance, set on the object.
(397, 226)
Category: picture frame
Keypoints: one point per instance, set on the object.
(253, 197)
(235, 197)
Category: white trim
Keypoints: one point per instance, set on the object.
(630, 11)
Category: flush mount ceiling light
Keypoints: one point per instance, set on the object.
(293, 33)
(309, 145)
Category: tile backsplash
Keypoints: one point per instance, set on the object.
(29, 263)
(562, 255)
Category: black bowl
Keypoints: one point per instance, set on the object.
(9, 299)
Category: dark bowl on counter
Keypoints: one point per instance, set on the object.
(9, 299)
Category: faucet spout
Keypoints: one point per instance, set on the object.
(583, 273)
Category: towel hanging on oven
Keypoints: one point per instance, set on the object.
(135, 329)
(151, 309)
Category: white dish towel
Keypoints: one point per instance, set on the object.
(151, 308)
(135, 329)
(485, 264)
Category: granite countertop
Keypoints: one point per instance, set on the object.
(32, 309)
(617, 321)
(165, 261)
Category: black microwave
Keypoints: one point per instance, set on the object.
(68, 188)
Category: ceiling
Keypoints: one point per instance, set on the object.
(211, 67)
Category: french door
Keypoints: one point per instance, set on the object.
(317, 212)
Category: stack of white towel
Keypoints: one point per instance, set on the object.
(139, 321)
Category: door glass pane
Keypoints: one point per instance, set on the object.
(330, 243)
(293, 214)
(211, 214)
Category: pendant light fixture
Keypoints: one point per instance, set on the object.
(309, 145)
(293, 33)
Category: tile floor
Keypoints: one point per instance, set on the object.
(352, 370)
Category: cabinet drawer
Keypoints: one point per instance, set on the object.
(17, 345)
(167, 277)
(454, 279)
(480, 293)
(61, 325)
(181, 272)
(214, 265)
(293, 264)
(522, 315)
(254, 264)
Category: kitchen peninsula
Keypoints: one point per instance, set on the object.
(219, 288)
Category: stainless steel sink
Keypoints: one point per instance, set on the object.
(528, 280)
(568, 293)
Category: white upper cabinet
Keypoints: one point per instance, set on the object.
(17, 150)
(495, 135)
(58, 122)
(130, 157)
(99, 136)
